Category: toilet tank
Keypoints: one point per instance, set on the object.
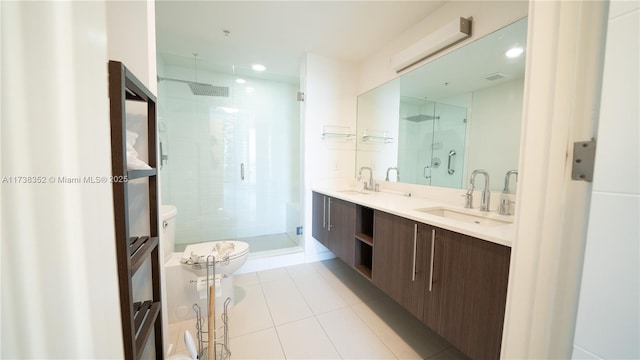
(168, 229)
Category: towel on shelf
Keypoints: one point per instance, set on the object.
(133, 162)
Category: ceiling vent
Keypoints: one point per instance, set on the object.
(495, 76)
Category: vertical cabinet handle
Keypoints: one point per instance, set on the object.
(329, 216)
(433, 250)
(415, 248)
(324, 212)
(241, 171)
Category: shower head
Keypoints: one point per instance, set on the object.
(208, 90)
(422, 117)
(201, 89)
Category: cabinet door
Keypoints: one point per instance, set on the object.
(398, 267)
(469, 291)
(319, 218)
(341, 229)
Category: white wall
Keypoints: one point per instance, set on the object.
(59, 278)
(608, 324)
(330, 99)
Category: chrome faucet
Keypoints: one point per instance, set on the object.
(397, 174)
(506, 204)
(484, 200)
(370, 185)
(506, 180)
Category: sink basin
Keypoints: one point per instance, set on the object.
(352, 192)
(465, 217)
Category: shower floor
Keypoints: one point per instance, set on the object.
(262, 244)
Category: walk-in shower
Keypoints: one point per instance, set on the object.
(230, 142)
(432, 142)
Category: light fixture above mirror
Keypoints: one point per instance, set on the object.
(449, 34)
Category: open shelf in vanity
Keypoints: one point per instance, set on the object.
(363, 241)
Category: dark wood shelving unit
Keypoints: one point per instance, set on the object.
(138, 318)
(137, 174)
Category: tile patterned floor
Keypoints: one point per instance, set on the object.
(322, 310)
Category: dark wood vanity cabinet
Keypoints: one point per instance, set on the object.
(334, 225)
(400, 261)
(455, 284)
(460, 293)
(319, 218)
(468, 293)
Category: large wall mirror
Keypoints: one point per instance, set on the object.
(457, 113)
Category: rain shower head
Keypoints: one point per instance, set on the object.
(422, 117)
(208, 90)
(201, 89)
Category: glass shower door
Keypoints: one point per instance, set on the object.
(233, 165)
(432, 146)
(450, 126)
(266, 148)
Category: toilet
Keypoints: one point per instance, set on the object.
(183, 288)
(168, 229)
(229, 257)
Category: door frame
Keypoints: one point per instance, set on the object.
(562, 95)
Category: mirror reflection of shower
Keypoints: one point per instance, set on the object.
(431, 143)
(231, 143)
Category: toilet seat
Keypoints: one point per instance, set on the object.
(197, 253)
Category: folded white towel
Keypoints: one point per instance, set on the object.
(133, 162)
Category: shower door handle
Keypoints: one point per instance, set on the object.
(163, 157)
(241, 171)
(424, 172)
(450, 170)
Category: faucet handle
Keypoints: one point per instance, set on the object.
(468, 200)
(506, 207)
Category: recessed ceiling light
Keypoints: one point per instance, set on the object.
(514, 52)
(258, 67)
(240, 81)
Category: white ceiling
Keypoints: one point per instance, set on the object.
(277, 33)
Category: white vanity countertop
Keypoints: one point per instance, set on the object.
(406, 207)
